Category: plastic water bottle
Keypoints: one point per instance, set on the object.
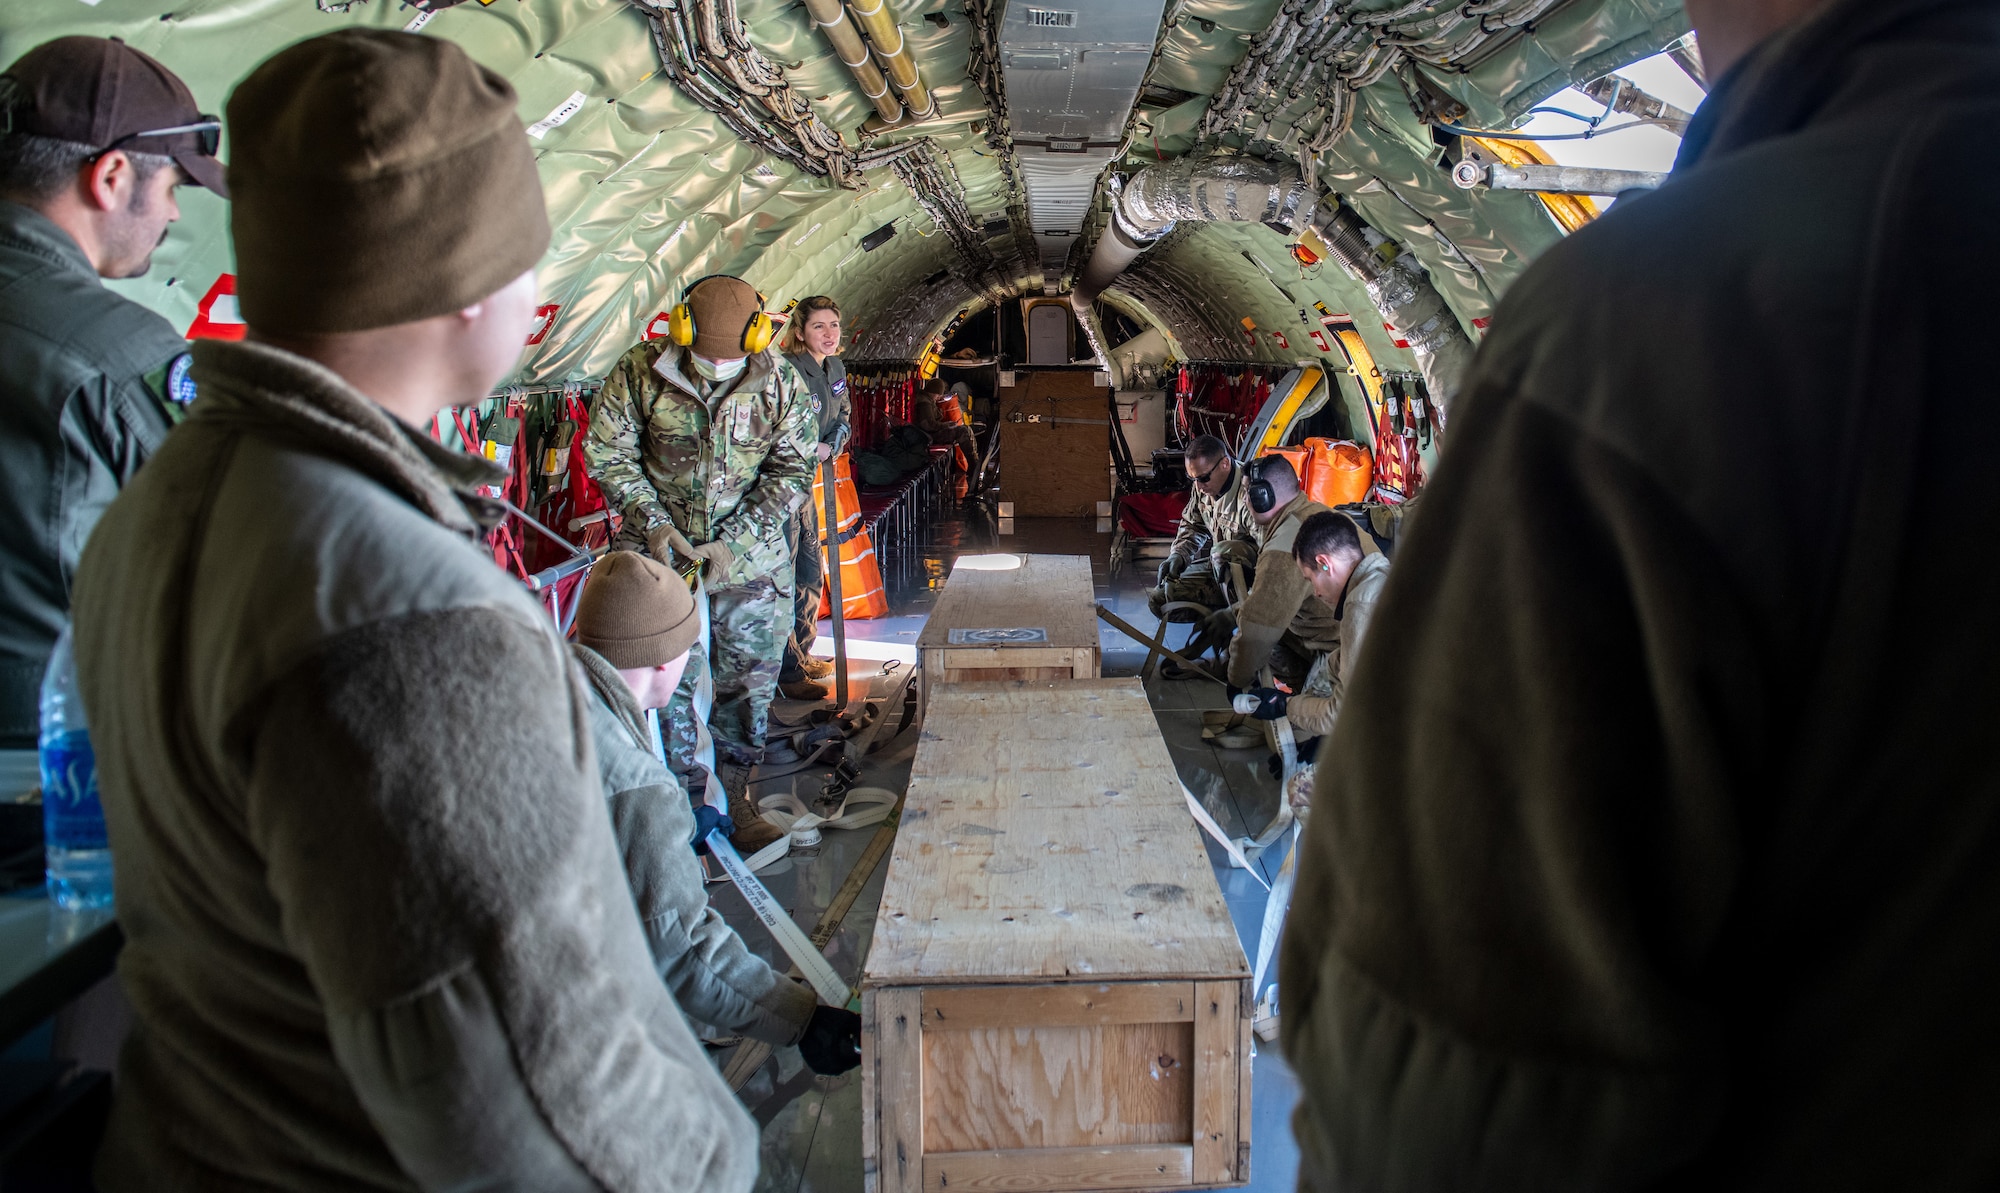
(79, 853)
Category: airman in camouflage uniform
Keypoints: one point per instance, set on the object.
(1216, 530)
(726, 462)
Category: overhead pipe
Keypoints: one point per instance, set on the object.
(831, 17)
(880, 25)
(1554, 180)
(1408, 300)
(1242, 190)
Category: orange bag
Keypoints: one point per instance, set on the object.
(847, 502)
(861, 595)
(1301, 460)
(1338, 472)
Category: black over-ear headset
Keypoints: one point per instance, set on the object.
(1262, 497)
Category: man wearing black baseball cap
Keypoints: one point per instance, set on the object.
(94, 137)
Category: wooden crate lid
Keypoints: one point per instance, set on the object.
(1052, 593)
(1045, 838)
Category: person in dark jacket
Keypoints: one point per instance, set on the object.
(98, 137)
(1659, 842)
(635, 622)
(813, 347)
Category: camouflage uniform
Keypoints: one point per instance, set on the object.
(1215, 531)
(733, 467)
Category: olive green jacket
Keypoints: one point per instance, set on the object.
(1660, 852)
(1220, 520)
(85, 383)
(378, 935)
(728, 466)
(831, 401)
(714, 977)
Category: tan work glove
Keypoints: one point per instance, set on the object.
(717, 555)
(665, 542)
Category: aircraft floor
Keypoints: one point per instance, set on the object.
(812, 1125)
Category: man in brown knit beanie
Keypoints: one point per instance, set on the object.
(634, 625)
(378, 934)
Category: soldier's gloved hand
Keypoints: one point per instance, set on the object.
(832, 1043)
(717, 555)
(1270, 703)
(706, 821)
(1170, 569)
(666, 541)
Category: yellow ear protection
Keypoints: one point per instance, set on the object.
(757, 333)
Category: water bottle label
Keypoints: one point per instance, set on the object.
(73, 818)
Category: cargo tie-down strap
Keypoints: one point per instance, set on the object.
(812, 963)
(863, 807)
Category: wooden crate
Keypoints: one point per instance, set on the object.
(1049, 593)
(1055, 998)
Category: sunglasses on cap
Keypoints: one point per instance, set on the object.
(208, 140)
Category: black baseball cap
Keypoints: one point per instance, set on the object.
(100, 92)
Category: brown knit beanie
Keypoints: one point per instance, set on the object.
(722, 308)
(379, 178)
(635, 612)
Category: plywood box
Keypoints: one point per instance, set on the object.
(1012, 617)
(1055, 998)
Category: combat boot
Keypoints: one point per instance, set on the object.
(753, 832)
(802, 688)
(817, 668)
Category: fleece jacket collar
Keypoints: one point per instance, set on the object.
(610, 687)
(1783, 83)
(269, 392)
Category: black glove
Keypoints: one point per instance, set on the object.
(1270, 703)
(832, 1043)
(706, 820)
(1309, 748)
(1231, 691)
(1170, 569)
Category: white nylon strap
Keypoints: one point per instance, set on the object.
(1214, 830)
(811, 962)
(1275, 909)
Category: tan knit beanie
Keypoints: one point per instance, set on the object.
(635, 612)
(379, 178)
(722, 307)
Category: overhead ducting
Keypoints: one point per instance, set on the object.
(1072, 75)
(1243, 190)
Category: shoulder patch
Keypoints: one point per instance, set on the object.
(180, 386)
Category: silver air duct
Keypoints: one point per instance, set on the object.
(1412, 307)
(1242, 190)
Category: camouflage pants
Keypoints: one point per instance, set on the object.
(747, 632)
(748, 626)
(809, 578)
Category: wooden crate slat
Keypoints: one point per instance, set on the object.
(897, 1110)
(1218, 1085)
(965, 1007)
(1134, 1167)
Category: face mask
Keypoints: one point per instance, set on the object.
(718, 370)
